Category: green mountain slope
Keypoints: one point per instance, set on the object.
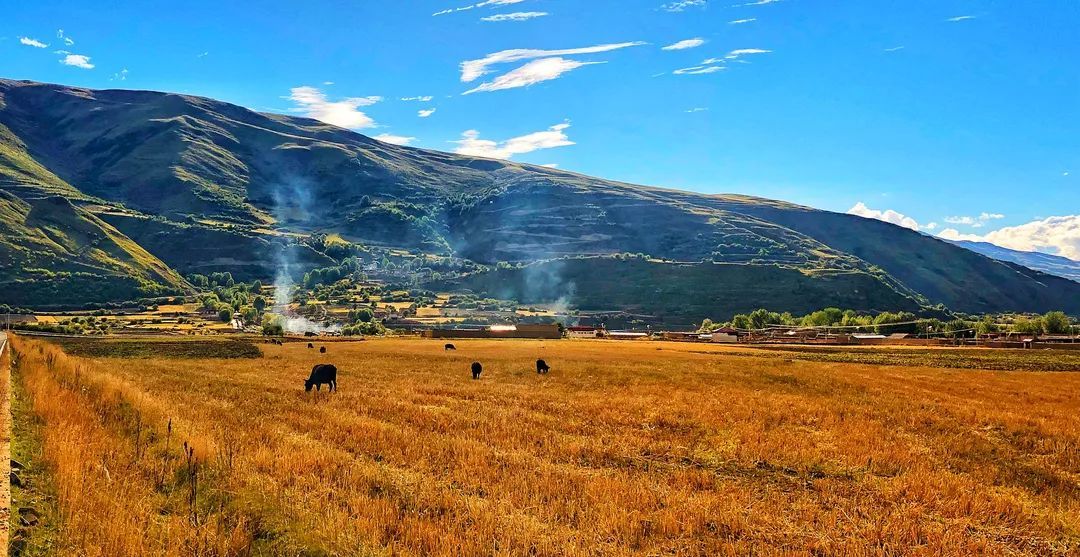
(204, 185)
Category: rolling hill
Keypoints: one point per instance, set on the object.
(136, 189)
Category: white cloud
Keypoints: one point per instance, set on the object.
(698, 109)
(888, 215)
(550, 165)
(741, 21)
(344, 113)
(974, 222)
(395, 139)
(681, 5)
(471, 144)
(930, 226)
(954, 234)
(735, 54)
(422, 99)
(1056, 235)
(537, 71)
(894, 49)
(960, 18)
(32, 42)
(328, 83)
(758, 3)
(204, 54)
(120, 75)
(77, 60)
(480, 5)
(67, 40)
(425, 113)
(516, 16)
(685, 44)
(699, 70)
(471, 70)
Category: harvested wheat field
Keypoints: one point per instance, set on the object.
(623, 449)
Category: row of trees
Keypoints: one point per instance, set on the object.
(1054, 323)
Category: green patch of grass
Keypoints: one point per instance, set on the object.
(153, 348)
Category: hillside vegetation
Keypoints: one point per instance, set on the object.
(203, 186)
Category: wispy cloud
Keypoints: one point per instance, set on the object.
(120, 75)
(960, 18)
(471, 144)
(491, 3)
(516, 16)
(78, 61)
(698, 70)
(345, 113)
(425, 113)
(682, 5)
(551, 65)
(758, 3)
(685, 44)
(741, 21)
(424, 99)
(67, 40)
(974, 222)
(697, 109)
(395, 139)
(894, 49)
(32, 42)
(203, 55)
(735, 54)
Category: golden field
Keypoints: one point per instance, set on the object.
(637, 448)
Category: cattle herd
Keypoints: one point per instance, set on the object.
(326, 374)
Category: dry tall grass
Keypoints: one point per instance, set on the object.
(625, 449)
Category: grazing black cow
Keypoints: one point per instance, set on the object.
(449, 346)
(476, 369)
(322, 374)
(322, 350)
(542, 367)
(309, 345)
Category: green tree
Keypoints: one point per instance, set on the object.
(225, 313)
(259, 304)
(986, 325)
(1056, 323)
(273, 325)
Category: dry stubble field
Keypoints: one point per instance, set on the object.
(624, 449)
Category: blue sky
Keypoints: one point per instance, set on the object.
(957, 113)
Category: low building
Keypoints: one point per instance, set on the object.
(627, 335)
(536, 330)
(725, 335)
(584, 332)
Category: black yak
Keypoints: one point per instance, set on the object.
(476, 369)
(322, 374)
(322, 350)
(542, 367)
(309, 345)
(449, 346)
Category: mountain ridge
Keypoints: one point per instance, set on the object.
(168, 171)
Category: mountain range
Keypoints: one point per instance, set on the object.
(110, 195)
(1045, 262)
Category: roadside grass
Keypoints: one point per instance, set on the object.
(37, 492)
(624, 449)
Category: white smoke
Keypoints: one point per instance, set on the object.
(292, 204)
